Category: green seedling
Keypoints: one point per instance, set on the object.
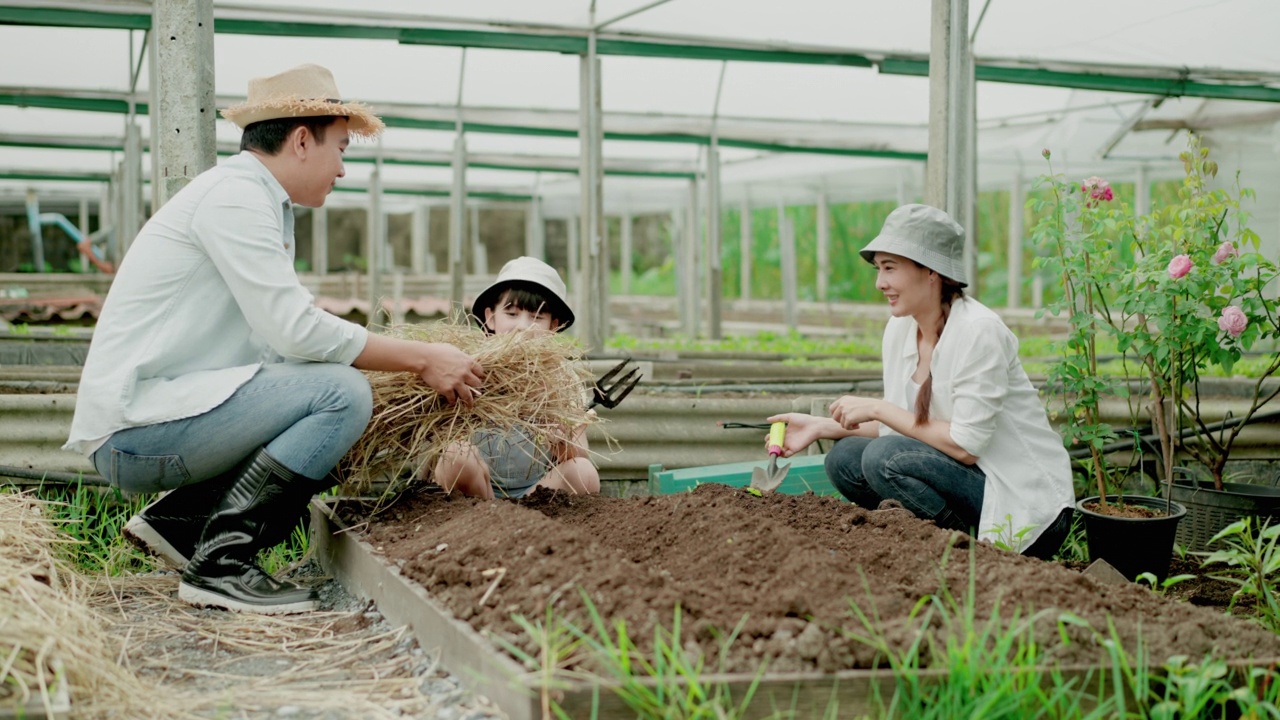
(1158, 586)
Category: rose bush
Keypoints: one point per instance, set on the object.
(1179, 291)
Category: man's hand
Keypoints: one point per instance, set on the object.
(452, 373)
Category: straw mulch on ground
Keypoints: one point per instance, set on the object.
(51, 644)
(535, 382)
(126, 647)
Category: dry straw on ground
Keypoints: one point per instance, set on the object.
(48, 636)
(535, 382)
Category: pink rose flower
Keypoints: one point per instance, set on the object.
(1179, 267)
(1098, 190)
(1232, 322)
(1225, 250)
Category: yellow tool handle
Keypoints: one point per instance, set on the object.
(777, 437)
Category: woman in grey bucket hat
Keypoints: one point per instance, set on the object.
(960, 436)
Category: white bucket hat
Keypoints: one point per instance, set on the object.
(303, 91)
(535, 272)
(926, 235)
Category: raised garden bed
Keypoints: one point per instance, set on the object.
(783, 569)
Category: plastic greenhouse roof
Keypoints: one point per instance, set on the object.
(839, 108)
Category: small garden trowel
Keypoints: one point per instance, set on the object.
(766, 479)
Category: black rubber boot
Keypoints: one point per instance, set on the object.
(170, 527)
(222, 572)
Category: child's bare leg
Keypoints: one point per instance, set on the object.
(461, 468)
(576, 475)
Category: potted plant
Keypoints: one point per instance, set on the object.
(1080, 229)
(1202, 304)
(1177, 291)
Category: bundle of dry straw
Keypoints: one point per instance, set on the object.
(534, 382)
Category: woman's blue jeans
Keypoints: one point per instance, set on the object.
(894, 467)
(307, 415)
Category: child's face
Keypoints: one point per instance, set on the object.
(509, 318)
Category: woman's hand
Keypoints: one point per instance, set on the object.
(851, 411)
(802, 431)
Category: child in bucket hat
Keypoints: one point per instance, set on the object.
(960, 436)
(527, 296)
(186, 389)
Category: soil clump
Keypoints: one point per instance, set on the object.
(785, 570)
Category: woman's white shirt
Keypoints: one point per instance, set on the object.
(980, 387)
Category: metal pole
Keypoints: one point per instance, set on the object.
(33, 226)
(84, 233)
(183, 115)
(1142, 192)
(824, 246)
(458, 202)
(479, 254)
(457, 220)
(679, 238)
(418, 238)
(594, 255)
(1017, 215)
(787, 242)
(376, 244)
(715, 285)
(949, 118)
(968, 197)
(130, 169)
(320, 240)
(625, 250)
(744, 245)
(691, 238)
(535, 240)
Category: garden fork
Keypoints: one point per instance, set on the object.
(615, 385)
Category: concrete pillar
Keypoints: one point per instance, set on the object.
(625, 250)
(1017, 215)
(420, 238)
(744, 245)
(715, 280)
(183, 109)
(320, 240)
(787, 247)
(824, 246)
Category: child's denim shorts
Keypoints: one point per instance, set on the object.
(516, 461)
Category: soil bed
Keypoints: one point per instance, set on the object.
(789, 564)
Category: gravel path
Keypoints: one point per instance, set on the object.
(342, 662)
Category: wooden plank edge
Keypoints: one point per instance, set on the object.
(463, 651)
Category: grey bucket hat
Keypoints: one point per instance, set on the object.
(926, 235)
(529, 271)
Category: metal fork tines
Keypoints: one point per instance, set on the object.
(613, 386)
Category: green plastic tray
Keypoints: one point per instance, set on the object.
(807, 474)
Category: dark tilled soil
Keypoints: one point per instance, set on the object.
(784, 568)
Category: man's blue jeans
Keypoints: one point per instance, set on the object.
(925, 480)
(307, 415)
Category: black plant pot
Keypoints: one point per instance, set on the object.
(1133, 545)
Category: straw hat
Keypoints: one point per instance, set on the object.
(531, 271)
(303, 91)
(926, 235)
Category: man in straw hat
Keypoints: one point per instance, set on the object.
(213, 375)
